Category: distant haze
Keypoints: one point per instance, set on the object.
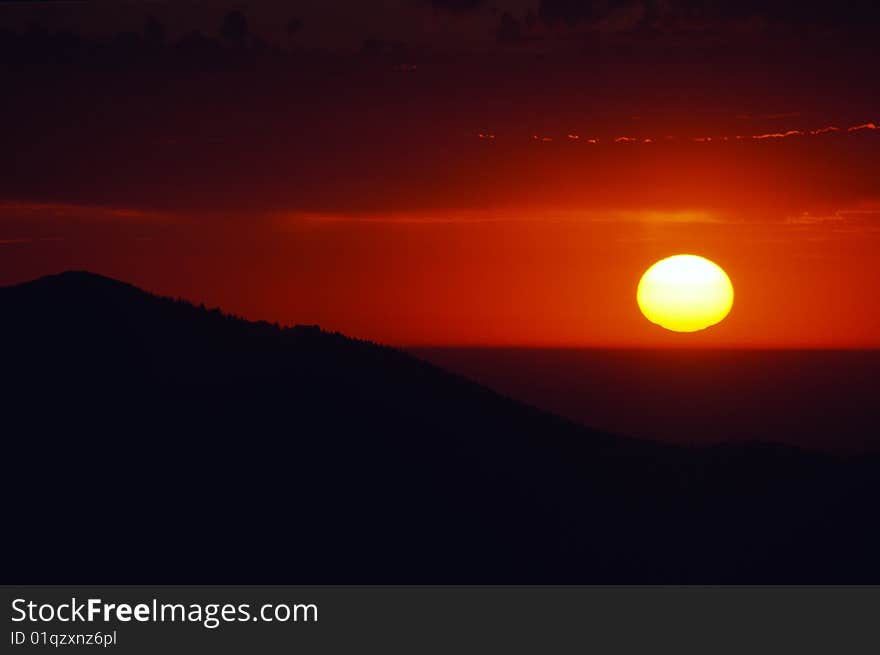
(815, 399)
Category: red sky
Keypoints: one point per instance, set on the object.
(353, 190)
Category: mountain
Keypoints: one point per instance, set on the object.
(149, 440)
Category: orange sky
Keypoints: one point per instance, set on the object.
(351, 188)
(534, 276)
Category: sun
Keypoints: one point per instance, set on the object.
(685, 293)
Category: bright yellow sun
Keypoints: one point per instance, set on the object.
(685, 293)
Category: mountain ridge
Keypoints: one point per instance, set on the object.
(372, 465)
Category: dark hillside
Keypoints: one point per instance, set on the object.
(149, 440)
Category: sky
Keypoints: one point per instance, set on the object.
(452, 172)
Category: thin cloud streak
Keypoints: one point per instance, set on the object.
(19, 209)
(500, 216)
(595, 140)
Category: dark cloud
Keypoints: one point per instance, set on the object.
(234, 27)
(509, 30)
(380, 47)
(707, 15)
(569, 12)
(342, 24)
(294, 25)
(457, 6)
(514, 31)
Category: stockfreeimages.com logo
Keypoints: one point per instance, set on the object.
(209, 615)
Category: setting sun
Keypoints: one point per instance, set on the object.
(685, 293)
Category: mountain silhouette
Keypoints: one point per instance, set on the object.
(150, 440)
